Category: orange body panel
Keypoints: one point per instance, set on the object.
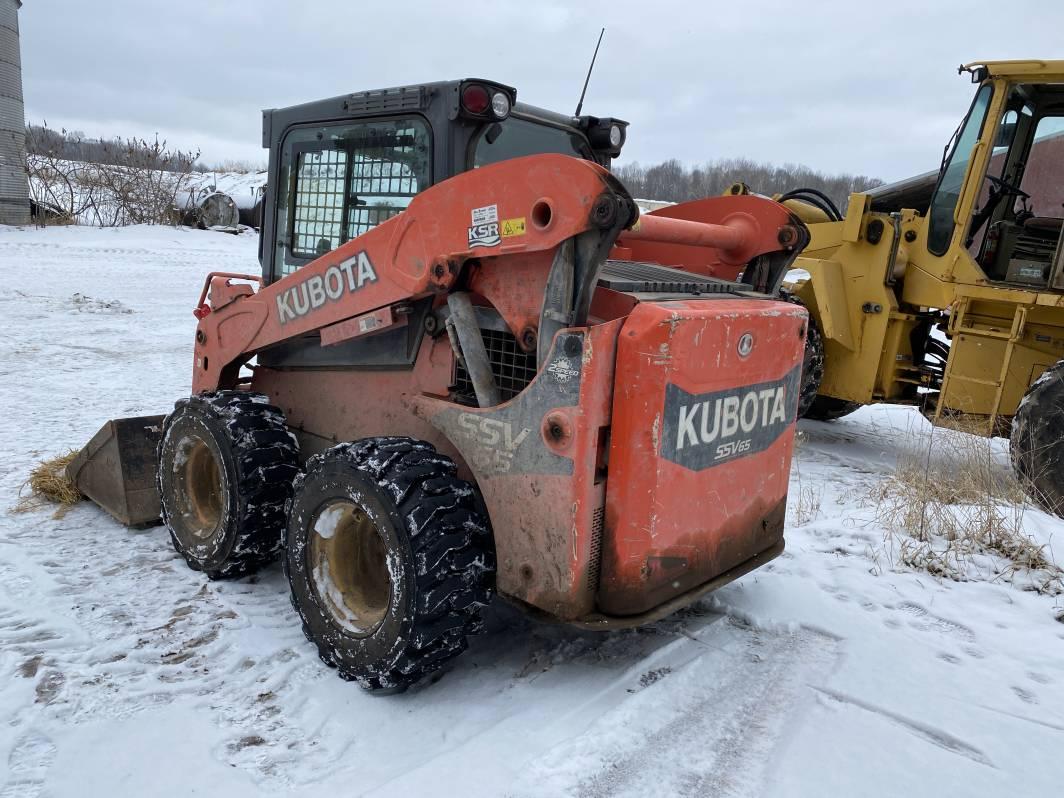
(538, 460)
(703, 435)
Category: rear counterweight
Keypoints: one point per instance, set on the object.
(703, 430)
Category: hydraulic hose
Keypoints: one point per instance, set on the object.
(817, 199)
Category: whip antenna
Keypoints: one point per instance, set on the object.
(580, 104)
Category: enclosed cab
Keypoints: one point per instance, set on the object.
(339, 167)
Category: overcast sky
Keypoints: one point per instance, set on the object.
(839, 86)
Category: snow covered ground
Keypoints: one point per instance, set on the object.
(828, 672)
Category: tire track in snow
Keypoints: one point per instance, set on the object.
(124, 655)
(707, 728)
(98, 623)
(28, 765)
(931, 734)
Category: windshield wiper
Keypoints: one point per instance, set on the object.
(946, 149)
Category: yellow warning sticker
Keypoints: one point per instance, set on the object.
(513, 227)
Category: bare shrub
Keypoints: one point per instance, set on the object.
(951, 509)
(55, 183)
(142, 190)
(133, 181)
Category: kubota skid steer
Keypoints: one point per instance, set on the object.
(466, 371)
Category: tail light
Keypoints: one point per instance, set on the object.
(475, 99)
(485, 101)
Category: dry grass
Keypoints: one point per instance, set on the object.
(951, 509)
(807, 506)
(48, 484)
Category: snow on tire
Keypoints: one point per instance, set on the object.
(1036, 441)
(812, 367)
(226, 467)
(809, 404)
(389, 558)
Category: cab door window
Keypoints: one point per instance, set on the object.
(340, 181)
(321, 187)
(1041, 172)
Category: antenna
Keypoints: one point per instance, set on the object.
(580, 104)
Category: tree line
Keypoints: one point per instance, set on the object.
(674, 181)
(58, 162)
(73, 145)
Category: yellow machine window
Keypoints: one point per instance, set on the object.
(951, 180)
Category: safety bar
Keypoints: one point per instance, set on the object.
(255, 278)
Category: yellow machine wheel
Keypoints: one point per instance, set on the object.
(1036, 443)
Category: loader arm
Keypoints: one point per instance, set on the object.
(751, 238)
(537, 202)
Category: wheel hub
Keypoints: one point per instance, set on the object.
(348, 563)
(201, 477)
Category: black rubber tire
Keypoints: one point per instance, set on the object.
(828, 408)
(811, 405)
(439, 552)
(812, 367)
(1036, 441)
(812, 360)
(255, 453)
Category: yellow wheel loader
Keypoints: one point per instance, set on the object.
(946, 291)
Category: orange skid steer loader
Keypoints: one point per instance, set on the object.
(466, 371)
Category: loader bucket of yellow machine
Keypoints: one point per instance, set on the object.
(116, 469)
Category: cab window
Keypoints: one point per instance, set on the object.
(341, 181)
(1015, 226)
(1041, 169)
(515, 138)
(951, 181)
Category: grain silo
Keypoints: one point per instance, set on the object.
(14, 191)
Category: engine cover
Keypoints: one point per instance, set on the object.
(703, 430)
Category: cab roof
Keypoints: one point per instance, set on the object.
(1025, 68)
(413, 97)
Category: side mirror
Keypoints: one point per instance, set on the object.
(493, 133)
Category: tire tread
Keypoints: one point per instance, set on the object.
(453, 560)
(266, 455)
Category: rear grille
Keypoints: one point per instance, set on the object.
(637, 277)
(594, 563)
(405, 98)
(512, 368)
